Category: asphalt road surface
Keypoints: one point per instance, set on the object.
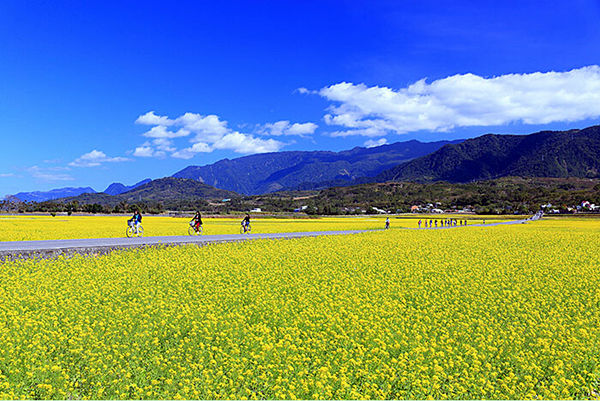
(16, 249)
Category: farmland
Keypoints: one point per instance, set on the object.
(29, 227)
(494, 312)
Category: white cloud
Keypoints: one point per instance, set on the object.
(188, 153)
(242, 143)
(164, 144)
(95, 158)
(302, 129)
(370, 132)
(465, 100)
(148, 151)
(5, 175)
(207, 128)
(152, 119)
(286, 128)
(235, 141)
(305, 91)
(158, 147)
(161, 131)
(371, 143)
(49, 174)
(207, 134)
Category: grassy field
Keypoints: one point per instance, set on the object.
(494, 312)
(24, 228)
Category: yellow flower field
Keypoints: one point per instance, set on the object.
(25, 228)
(494, 312)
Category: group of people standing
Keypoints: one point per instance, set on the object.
(443, 223)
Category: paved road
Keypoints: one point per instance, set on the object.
(17, 249)
(48, 248)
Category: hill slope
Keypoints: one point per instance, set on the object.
(560, 154)
(175, 188)
(166, 191)
(268, 172)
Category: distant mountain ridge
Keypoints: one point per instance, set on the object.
(41, 196)
(554, 154)
(117, 188)
(269, 172)
(558, 154)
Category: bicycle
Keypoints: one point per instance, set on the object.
(245, 229)
(192, 229)
(133, 230)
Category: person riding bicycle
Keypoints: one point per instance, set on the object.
(197, 220)
(136, 219)
(246, 222)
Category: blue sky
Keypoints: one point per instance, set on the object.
(99, 93)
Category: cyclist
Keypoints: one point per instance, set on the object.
(197, 220)
(136, 219)
(246, 222)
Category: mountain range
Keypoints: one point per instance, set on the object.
(115, 188)
(559, 154)
(41, 196)
(269, 172)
